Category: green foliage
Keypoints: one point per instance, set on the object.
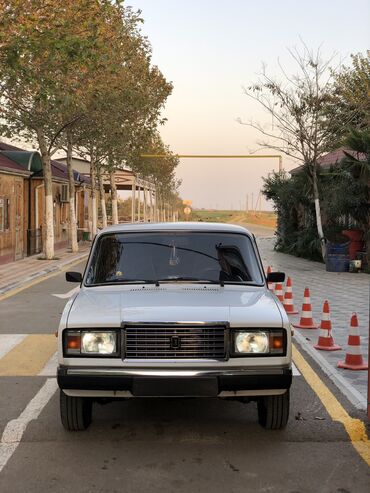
(349, 101)
(358, 162)
(159, 170)
(345, 200)
(80, 71)
(294, 208)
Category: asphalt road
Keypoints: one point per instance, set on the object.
(156, 445)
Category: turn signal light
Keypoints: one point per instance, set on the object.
(277, 343)
(73, 343)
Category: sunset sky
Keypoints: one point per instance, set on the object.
(210, 49)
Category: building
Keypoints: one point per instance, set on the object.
(22, 203)
(332, 159)
(143, 192)
(14, 181)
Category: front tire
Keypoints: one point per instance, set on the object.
(75, 412)
(273, 411)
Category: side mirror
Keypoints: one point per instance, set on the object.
(276, 277)
(74, 277)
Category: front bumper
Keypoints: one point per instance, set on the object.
(114, 382)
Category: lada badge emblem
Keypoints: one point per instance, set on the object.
(175, 342)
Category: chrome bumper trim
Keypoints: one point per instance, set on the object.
(174, 373)
(126, 394)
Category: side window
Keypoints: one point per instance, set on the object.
(4, 214)
(86, 205)
(7, 214)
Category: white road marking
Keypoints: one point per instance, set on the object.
(50, 369)
(296, 372)
(67, 295)
(8, 342)
(15, 428)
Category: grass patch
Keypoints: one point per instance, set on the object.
(265, 218)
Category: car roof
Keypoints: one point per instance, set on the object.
(177, 226)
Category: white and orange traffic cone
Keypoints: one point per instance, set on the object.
(279, 291)
(270, 285)
(326, 341)
(306, 321)
(353, 360)
(288, 298)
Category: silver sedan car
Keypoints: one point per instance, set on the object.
(174, 310)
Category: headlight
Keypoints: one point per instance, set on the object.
(90, 343)
(251, 342)
(98, 342)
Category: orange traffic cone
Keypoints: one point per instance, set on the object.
(326, 341)
(353, 359)
(279, 291)
(306, 321)
(288, 298)
(270, 285)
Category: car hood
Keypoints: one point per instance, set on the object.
(112, 306)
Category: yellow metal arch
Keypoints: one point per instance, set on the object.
(217, 156)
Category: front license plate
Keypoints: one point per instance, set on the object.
(175, 387)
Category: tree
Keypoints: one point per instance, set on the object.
(161, 171)
(302, 127)
(126, 108)
(350, 100)
(358, 161)
(48, 53)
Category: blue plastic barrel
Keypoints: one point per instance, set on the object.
(337, 248)
(337, 262)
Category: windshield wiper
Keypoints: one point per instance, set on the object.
(131, 281)
(243, 283)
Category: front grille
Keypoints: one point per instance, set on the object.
(175, 342)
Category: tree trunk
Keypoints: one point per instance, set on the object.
(159, 208)
(102, 198)
(318, 211)
(156, 211)
(93, 196)
(145, 204)
(72, 195)
(133, 201)
(151, 215)
(48, 219)
(138, 204)
(113, 191)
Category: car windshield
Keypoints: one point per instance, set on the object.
(173, 257)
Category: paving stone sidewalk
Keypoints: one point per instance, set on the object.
(346, 293)
(22, 272)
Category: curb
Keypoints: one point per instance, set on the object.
(37, 275)
(352, 394)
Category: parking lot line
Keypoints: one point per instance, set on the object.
(354, 427)
(29, 357)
